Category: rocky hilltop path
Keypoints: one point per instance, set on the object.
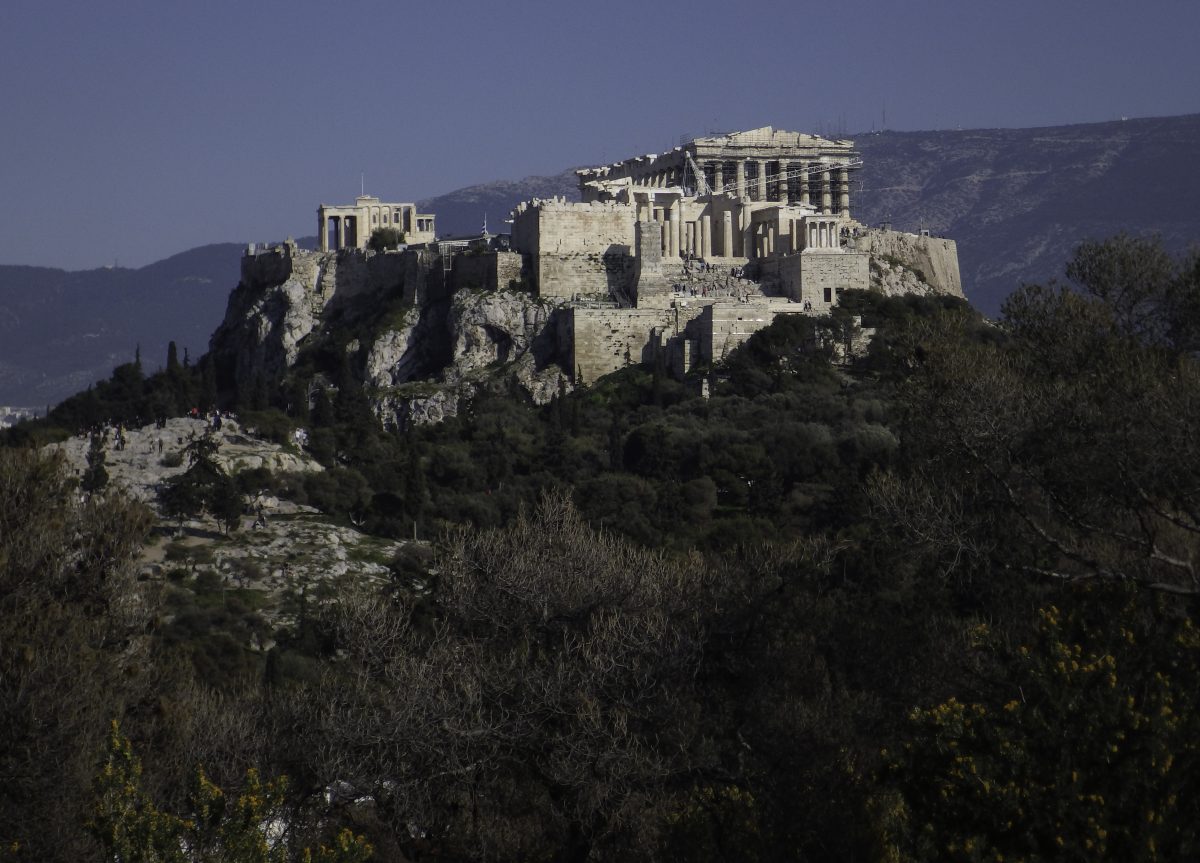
(291, 557)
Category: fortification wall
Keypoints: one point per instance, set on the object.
(935, 258)
(588, 275)
(822, 276)
(595, 342)
(726, 326)
(558, 226)
(266, 265)
(576, 248)
(490, 271)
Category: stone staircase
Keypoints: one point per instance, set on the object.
(694, 279)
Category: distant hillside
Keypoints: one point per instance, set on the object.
(1016, 200)
(1019, 200)
(463, 211)
(60, 331)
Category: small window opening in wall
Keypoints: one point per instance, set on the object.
(829, 295)
(374, 219)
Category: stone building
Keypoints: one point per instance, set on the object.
(692, 250)
(350, 226)
(735, 195)
(727, 201)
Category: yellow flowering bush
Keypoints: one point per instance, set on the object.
(1087, 748)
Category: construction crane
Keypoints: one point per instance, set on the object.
(702, 187)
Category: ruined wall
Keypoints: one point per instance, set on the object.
(725, 326)
(935, 258)
(576, 248)
(595, 342)
(490, 271)
(652, 288)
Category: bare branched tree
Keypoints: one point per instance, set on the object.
(544, 698)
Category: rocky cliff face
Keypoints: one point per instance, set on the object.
(417, 348)
(904, 263)
(494, 339)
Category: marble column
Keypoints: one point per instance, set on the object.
(706, 236)
(762, 181)
(826, 194)
(741, 178)
(844, 182)
(804, 195)
(718, 176)
(782, 180)
(673, 230)
(727, 234)
(322, 232)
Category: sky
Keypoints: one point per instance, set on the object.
(133, 130)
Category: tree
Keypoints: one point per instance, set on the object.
(1082, 745)
(1066, 451)
(539, 700)
(204, 486)
(385, 238)
(95, 478)
(75, 644)
(218, 827)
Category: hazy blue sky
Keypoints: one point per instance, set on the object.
(133, 130)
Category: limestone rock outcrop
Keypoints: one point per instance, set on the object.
(932, 261)
(892, 278)
(152, 455)
(491, 339)
(277, 304)
(417, 348)
(394, 357)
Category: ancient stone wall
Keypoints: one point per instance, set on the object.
(726, 326)
(817, 277)
(823, 276)
(489, 271)
(576, 249)
(595, 342)
(586, 275)
(266, 266)
(935, 259)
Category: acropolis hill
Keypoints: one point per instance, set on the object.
(674, 257)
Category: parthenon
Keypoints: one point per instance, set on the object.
(736, 195)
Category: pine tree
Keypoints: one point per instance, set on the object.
(95, 478)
